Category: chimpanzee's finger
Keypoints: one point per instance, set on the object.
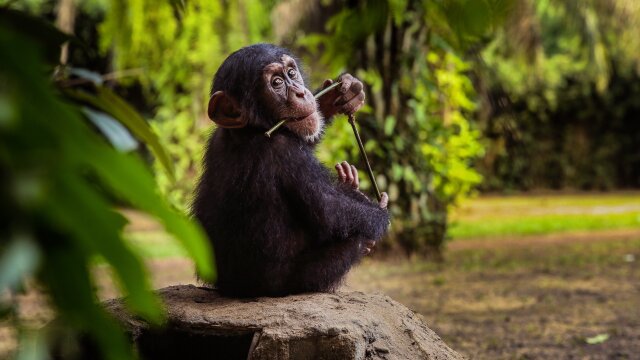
(356, 87)
(347, 169)
(346, 79)
(356, 103)
(341, 173)
(353, 105)
(326, 83)
(384, 200)
(345, 172)
(356, 182)
(355, 91)
(351, 174)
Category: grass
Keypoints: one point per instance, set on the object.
(542, 224)
(527, 201)
(540, 215)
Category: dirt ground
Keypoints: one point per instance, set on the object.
(524, 303)
(537, 297)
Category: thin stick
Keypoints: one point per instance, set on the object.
(352, 121)
(317, 96)
(327, 89)
(275, 127)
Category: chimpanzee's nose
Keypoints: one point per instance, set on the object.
(299, 92)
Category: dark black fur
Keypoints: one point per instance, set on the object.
(278, 222)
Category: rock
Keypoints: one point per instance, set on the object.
(346, 325)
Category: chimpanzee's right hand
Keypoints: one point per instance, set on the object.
(345, 99)
(366, 246)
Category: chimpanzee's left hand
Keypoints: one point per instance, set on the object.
(344, 99)
(348, 175)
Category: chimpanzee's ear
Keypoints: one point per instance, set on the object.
(225, 111)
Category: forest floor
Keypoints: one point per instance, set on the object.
(546, 297)
(557, 276)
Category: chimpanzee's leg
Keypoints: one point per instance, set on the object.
(323, 268)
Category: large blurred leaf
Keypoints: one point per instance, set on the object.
(117, 170)
(107, 101)
(46, 139)
(140, 190)
(49, 153)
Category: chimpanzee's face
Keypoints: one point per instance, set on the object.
(287, 97)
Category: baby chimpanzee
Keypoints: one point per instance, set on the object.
(278, 222)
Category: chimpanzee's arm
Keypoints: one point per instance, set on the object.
(333, 214)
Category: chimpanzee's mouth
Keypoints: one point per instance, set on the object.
(305, 117)
(307, 127)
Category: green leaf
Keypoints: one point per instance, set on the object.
(19, 259)
(398, 10)
(33, 346)
(92, 76)
(389, 125)
(598, 339)
(117, 134)
(107, 101)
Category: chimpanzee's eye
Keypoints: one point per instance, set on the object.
(292, 73)
(277, 82)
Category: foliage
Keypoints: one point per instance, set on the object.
(561, 82)
(58, 182)
(179, 46)
(422, 143)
